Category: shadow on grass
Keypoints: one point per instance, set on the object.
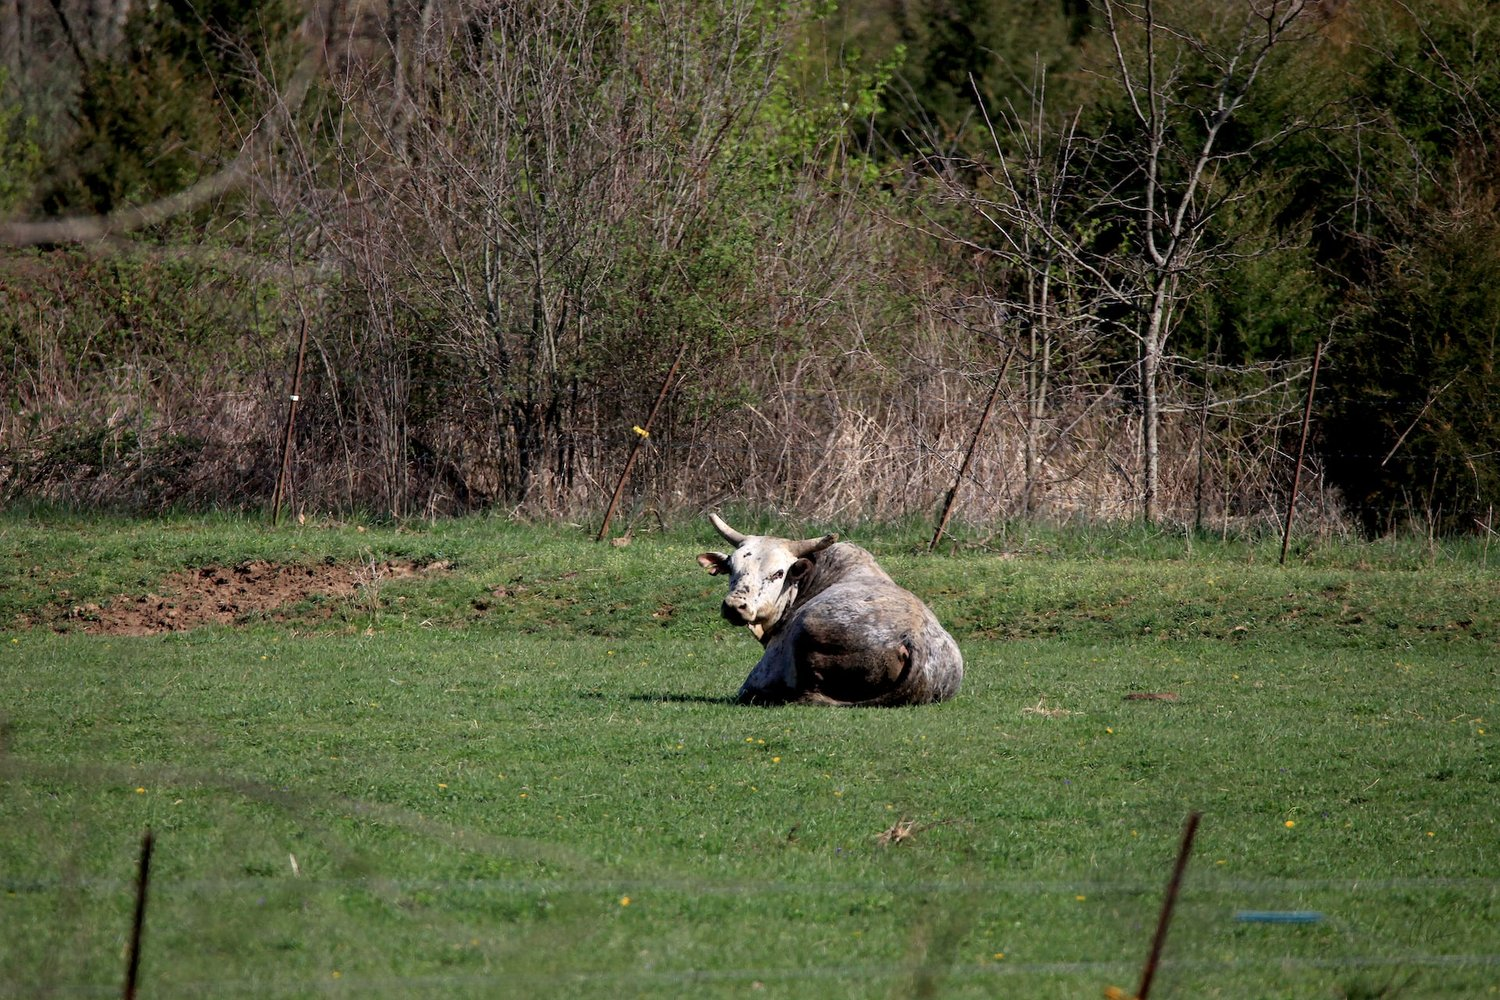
(675, 697)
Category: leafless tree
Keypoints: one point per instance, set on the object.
(1110, 229)
(531, 179)
(1183, 85)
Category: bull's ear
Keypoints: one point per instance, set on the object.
(715, 562)
(799, 569)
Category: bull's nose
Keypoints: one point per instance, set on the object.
(735, 612)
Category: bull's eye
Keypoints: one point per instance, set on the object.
(776, 576)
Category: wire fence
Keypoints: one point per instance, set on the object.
(1229, 928)
(1202, 886)
(521, 929)
(997, 974)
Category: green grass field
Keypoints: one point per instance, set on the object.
(521, 774)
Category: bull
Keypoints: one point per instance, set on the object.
(836, 629)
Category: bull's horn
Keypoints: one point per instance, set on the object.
(808, 546)
(730, 535)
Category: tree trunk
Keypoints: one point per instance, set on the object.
(1151, 353)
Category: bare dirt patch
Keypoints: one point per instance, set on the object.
(226, 595)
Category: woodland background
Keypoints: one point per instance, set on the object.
(1106, 237)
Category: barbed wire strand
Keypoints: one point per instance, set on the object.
(1101, 969)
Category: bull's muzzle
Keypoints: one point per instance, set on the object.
(735, 613)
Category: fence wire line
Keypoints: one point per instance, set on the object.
(1202, 886)
(648, 976)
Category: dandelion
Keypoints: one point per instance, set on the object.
(442, 785)
(999, 955)
(624, 900)
(1080, 898)
(775, 760)
(1290, 823)
(140, 791)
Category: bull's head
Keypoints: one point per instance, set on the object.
(764, 573)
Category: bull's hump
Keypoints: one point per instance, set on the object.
(846, 563)
(847, 557)
(892, 607)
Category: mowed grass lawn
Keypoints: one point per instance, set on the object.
(519, 773)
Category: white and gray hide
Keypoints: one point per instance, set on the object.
(837, 630)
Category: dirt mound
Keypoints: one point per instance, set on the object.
(224, 595)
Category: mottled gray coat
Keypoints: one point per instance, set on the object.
(837, 630)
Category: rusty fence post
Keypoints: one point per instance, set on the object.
(1291, 501)
(642, 433)
(294, 397)
(143, 879)
(984, 418)
(1164, 920)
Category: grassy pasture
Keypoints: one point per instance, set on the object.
(521, 775)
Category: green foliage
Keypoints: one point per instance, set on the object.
(553, 794)
(1414, 423)
(957, 60)
(1411, 426)
(827, 94)
(160, 113)
(175, 312)
(20, 154)
(1267, 306)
